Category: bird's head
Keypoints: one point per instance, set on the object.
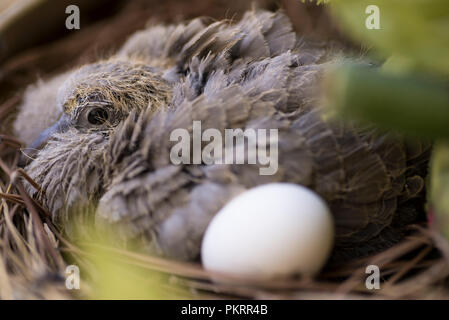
(67, 157)
(97, 97)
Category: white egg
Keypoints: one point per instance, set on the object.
(274, 230)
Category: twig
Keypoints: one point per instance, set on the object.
(30, 180)
(38, 224)
(9, 106)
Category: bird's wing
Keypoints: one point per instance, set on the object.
(259, 34)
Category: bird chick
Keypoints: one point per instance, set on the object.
(111, 145)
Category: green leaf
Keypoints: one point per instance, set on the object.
(439, 187)
(419, 107)
(415, 31)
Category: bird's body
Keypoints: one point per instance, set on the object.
(112, 144)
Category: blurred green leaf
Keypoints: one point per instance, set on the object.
(415, 32)
(419, 107)
(114, 278)
(110, 269)
(439, 187)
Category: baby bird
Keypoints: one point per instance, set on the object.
(110, 145)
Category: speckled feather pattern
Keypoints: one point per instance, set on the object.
(256, 73)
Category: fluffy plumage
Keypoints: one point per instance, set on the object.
(38, 110)
(254, 74)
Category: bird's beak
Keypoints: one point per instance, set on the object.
(27, 155)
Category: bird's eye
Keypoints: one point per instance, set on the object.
(97, 116)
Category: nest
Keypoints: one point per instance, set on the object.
(34, 253)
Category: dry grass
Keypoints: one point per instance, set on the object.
(34, 255)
